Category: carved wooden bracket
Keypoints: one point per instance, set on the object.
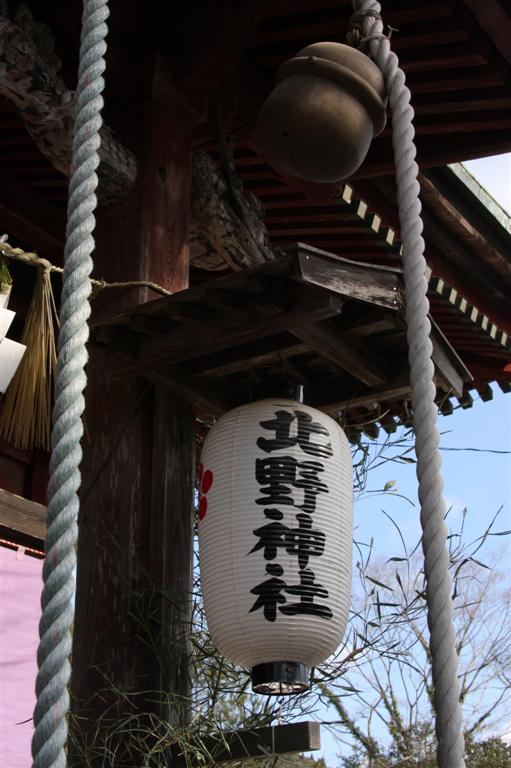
(30, 78)
(225, 232)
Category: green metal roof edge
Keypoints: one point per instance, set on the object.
(482, 194)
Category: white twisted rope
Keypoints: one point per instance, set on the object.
(49, 740)
(450, 752)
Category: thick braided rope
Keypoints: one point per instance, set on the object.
(49, 740)
(450, 752)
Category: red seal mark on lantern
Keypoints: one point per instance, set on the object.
(205, 482)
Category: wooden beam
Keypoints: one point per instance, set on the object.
(362, 328)
(498, 120)
(423, 35)
(249, 356)
(256, 742)
(194, 299)
(171, 555)
(221, 335)
(485, 392)
(450, 372)
(336, 18)
(332, 399)
(493, 17)
(380, 192)
(22, 515)
(119, 517)
(208, 396)
(301, 230)
(458, 253)
(457, 55)
(375, 285)
(466, 400)
(446, 376)
(28, 216)
(455, 252)
(40, 98)
(487, 243)
(456, 80)
(432, 152)
(166, 180)
(471, 101)
(342, 221)
(46, 107)
(485, 203)
(389, 424)
(446, 406)
(348, 354)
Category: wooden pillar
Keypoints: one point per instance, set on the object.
(135, 528)
(171, 537)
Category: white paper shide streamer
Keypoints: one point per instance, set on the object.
(11, 351)
(275, 536)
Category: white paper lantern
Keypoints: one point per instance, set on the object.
(275, 539)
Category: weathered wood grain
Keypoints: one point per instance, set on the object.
(348, 354)
(120, 505)
(449, 376)
(209, 396)
(263, 352)
(171, 555)
(221, 335)
(363, 328)
(165, 181)
(221, 237)
(331, 398)
(22, 515)
(257, 742)
(47, 106)
(374, 285)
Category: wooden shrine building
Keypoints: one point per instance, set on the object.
(271, 279)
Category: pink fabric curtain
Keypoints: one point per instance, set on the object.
(20, 592)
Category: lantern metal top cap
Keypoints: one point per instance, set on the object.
(280, 678)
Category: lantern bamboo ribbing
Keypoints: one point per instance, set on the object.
(275, 535)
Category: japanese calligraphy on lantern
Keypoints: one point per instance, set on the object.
(275, 533)
(290, 475)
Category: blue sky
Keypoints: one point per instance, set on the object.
(475, 480)
(494, 173)
(478, 481)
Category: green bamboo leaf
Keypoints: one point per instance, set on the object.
(379, 583)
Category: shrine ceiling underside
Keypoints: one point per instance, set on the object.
(223, 57)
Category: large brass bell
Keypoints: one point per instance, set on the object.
(319, 120)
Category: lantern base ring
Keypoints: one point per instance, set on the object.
(280, 678)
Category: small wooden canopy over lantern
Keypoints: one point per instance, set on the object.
(275, 537)
(321, 117)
